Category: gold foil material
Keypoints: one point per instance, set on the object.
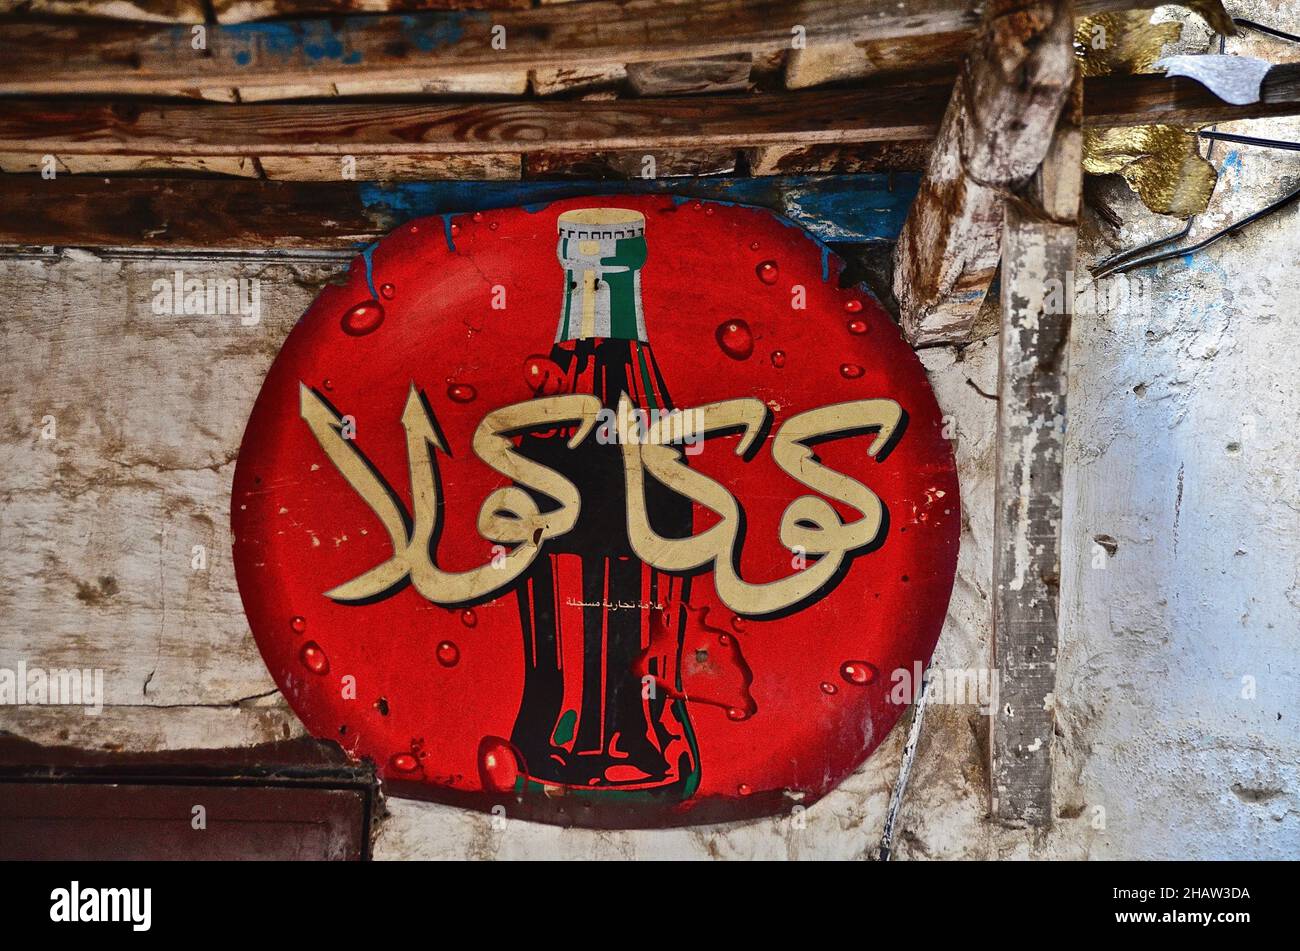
(1126, 42)
(1161, 163)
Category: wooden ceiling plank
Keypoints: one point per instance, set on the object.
(893, 113)
(75, 57)
(252, 214)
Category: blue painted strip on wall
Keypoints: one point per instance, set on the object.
(849, 208)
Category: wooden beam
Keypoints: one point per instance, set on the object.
(73, 57)
(236, 214)
(886, 113)
(344, 128)
(841, 39)
(994, 134)
(1038, 259)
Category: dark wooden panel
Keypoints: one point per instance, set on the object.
(98, 821)
(247, 213)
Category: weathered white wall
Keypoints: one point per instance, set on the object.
(1182, 448)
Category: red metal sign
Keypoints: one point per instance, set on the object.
(619, 512)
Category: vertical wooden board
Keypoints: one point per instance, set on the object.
(1037, 256)
(1038, 260)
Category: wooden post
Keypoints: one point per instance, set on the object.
(1038, 250)
(994, 134)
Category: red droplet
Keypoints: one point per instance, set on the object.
(327, 384)
(850, 371)
(448, 654)
(738, 624)
(737, 713)
(743, 789)
(499, 764)
(753, 246)
(543, 376)
(768, 272)
(386, 291)
(853, 306)
(829, 688)
(298, 623)
(404, 763)
(858, 672)
(478, 216)
(364, 318)
(313, 658)
(455, 229)
(778, 358)
(469, 618)
(857, 326)
(709, 210)
(735, 339)
(492, 226)
(461, 393)
(414, 229)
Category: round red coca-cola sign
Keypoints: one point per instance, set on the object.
(618, 512)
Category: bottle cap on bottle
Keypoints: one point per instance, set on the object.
(602, 251)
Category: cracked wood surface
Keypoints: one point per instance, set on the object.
(994, 134)
(1038, 263)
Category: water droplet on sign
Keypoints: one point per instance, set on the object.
(461, 393)
(492, 226)
(753, 246)
(737, 713)
(364, 318)
(468, 617)
(543, 376)
(448, 654)
(386, 291)
(735, 339)
(313, 658)
(853, 306)
(404, 763)
(455, 229)
(857, 326)
(743, 789)
(858, 672)
(768, 272)
(478, 216)
(828, 688)
(778, 358)
(298, 623)
(850, 371)
(498, 764)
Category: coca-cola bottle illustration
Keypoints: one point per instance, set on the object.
(594, 617)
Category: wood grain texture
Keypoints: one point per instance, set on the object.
(337, 128)
(365, 168)
(254, 214)
(994, 134)
(1038, 265)
(708, 76)
(154, 11)
(71, 57)
(242, 11)
(895, 112)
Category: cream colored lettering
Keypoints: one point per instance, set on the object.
(508, 515)
(808, 523)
